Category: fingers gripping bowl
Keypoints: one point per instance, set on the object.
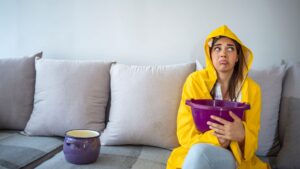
(202, 109)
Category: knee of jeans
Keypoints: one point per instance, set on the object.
(199, 149)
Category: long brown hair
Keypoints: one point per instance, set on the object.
(237, 75)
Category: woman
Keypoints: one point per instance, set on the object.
(233, 144)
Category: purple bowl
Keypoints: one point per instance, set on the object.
(81, 146)
(202, 109)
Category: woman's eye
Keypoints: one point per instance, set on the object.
(217, 49)
(230, 49)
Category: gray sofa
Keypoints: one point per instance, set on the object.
(134, 108)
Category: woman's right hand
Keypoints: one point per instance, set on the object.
(224, 142)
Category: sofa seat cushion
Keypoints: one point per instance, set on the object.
(120, 157)
(270, 160)
(18, 151)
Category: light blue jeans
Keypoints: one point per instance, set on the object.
(207, 156)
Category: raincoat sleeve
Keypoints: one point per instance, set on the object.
(187, 132)
(251, 125)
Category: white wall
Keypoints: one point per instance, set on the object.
(147, 31)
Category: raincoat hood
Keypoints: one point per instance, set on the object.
(225, 31)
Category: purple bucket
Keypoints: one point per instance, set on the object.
(81, 146)
(202, 109)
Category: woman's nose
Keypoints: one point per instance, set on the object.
(223, 53)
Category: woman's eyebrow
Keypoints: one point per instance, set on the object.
(219, 44)
(230, 44)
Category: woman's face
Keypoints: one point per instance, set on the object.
(224, 55)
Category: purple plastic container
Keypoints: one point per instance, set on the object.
(202, 109)
(81, 146)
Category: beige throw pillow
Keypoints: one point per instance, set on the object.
(270, 81)
(69, 94)
(17, 76)
(144, 104)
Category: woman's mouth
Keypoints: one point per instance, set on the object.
(223, 62)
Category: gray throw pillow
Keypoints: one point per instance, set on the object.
(270, 81)
(289, 154)
(69, 94)
(144, 104)
(17, 77)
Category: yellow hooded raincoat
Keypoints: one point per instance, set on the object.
(198, 86)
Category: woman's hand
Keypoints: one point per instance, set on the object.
(229, 130)
(224, 142)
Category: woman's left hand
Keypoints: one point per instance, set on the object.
(229, 130)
